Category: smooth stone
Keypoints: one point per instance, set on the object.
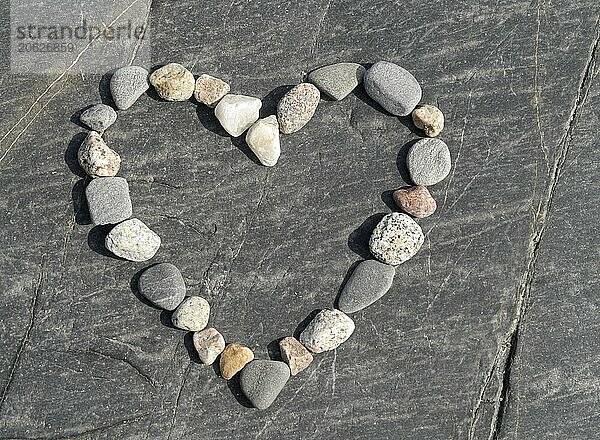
(99, 117)
(416, 201)
(133, 240)
(96, 158)
(209, 344)
(108, 200)
(261, 381)
(327, 331)
(192, 314)
(173, 82)
(127, 84)
(163, 285)
(393, 87)
(337, 80)
(233, 358)
(297, 107)
(237, 113)
(263, 140)
(295, 354)
(428, 161)
(428, 118)
(369, 282)
(395, 239)
(210, 90)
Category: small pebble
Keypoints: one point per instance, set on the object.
(327, 331)
(428, 161)
(337, 80)
(133, 240)
(261, 381)
(99, 117)
(295, 354)
(209, 90)
(233, 358)
(163, 285)
(108, 200)
(393, 87)
(368, 283)
(127, 84)
(96, 158)
(173, 82)
(263, 140)
(416, 201)
(209, 344)
(395, 239)
(192, 314)
(237, 113)
(297, 107)
(428, 118)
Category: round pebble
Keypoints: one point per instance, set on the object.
(327, 331)
(297, 107)
(337, 80)
(395, 239)
(416, 201)
(163, 285)
(209, 90)
(127, 84)
(233, 358)
(261, 381)
(132, 240)
(96, 158)
(428, 161)
(237, 113)
(108, 200)
(173, 82)
(192, 314)
(393, 87)
(209, 344)
(263, 140)
(295, 354)
(428, 118)
(99, 117)
(368, 283)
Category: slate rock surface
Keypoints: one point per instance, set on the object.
(369, 281)
(262, 381)
(393, 87)
(133, 240)
(337, 80)
(127, 84)
(396, 239)
(108, 200)
(327, 331)
(99, 117)
(163, 285)
(428, 161)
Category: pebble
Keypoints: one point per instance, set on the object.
(96, 158)
(295, 354)
(99, 117)
(233, 358)
(428, 118)
(209, 90)
(416, 201)
(428, 161)
(237, 113)
(108, 200)
(395, 239)
(192, 314)
(337, 80)
(133, 240)
(263, 140)
(163, 285)
(127, 84)
(327, 331)
(261, 381)
(173, 82)
(297, 107)
(368, 283)
(393, 87)
(209, 344)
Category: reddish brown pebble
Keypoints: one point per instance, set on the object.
(416, 201)
(233, 359)
(209, 90)
(295, 354)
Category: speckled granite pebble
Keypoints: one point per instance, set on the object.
(295, 354)
(163, 285)
(108, 200)
(237, 113)
(261, 381)
(327, 331)
(173, 82)
(133, 240)
(99, 117)
(370, 280)
(233, 358)
(297, 107)
(428, 118)
(96, 158)
(263, 140)
(416, 201)
(337, 80)
(428, 161)
(209, 90)
(192, 314)
(127, 84)
(395, 239)
(393, 87)
(209, 344)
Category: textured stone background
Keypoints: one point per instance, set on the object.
(492, 331)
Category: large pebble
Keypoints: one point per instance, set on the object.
(133, 240)
(233, 358)
(297, 107)
(127, 84)
(392, 86)
(416, 201)
(192, 314)
(108, 200)
(428, 118)
(263, 140)
(396, 238)
(337, 80)
(295, 354)
(209, 90)
(428, 161)
(99, 117)
(237, 113)
(173, 82)
(209, 344)
(327, 331)
(369, 282)
(261, 381)
(163, 285)
(96, 158)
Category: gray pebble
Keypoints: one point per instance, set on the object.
(396, 238)
(337, 80)
(327, 331)
(108, 200)
(99, 117)
(132, 240)
(428, 161)
(163, 285)
(369, 282)
(261, 381)
(392, 86)
(127, 84)
(192, 314)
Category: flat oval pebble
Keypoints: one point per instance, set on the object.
(108, 200)
(327, 331)
(163, 285)
(99, 117)
(337, 80)
(297, 107)
(263, 140)
(416, 201)
(127, 84)
(428, 161)
(261, 381)
(133, 240)
(233, 358)
(370, 280)
(393, 87)
(192, 314)
(209, 90)
(396, 238)
(237, 113)
(173, 82)
(428, 118)
(209, 344)
(295, 354)
(96, 158)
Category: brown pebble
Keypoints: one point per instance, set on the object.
(295, 354)
(297, 107)
(416, 201)
(209, 90)
(233, 359)
(428, 118)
